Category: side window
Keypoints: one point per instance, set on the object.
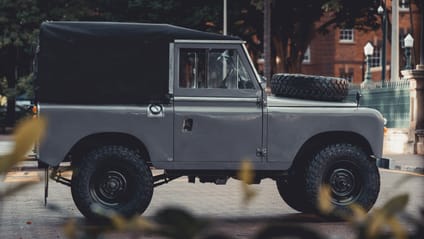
(212, 68)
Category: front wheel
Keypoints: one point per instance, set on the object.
(112, 178)
(352, 177)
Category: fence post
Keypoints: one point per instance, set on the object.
(416, 129)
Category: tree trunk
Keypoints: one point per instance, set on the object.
(267, 41)
(11, 83)
(279, 53)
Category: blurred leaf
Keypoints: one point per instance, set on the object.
(246, 172)
(247, 176)
(358, 213)
(26, 135)
(248, 194)
(138, 223)
(377, 220)
(385, 216)
(398, 231)
(12, 190)
(287, 231)
(395, 205)
(178, 224)
(70, 229)
(324, 200)
(135, 223)
(217, 236)
(119, 222)
(403, 180)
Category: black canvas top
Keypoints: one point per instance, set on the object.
(107, 63)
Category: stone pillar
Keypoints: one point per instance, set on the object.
(416, 128)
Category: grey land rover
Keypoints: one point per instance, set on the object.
(124, 98)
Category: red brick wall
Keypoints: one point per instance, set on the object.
(329, 56)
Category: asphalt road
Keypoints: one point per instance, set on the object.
(23, 215)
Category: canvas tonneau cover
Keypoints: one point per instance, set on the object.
(107, 63)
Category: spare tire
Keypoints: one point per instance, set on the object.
(309, 87)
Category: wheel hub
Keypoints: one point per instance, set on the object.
(342, 182)
(112, 185)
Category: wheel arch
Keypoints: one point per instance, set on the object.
(317, 142)
(106, 138)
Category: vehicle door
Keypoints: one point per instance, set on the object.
(217, 104)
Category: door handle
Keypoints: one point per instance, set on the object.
(187, 125)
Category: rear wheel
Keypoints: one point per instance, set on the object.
(112, 178)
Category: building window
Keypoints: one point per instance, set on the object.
(375, 58)
(347, 75)
(346, 35)
(404, 5)
(307, 56)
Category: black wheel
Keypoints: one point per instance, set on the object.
(353, 178)
(309, 87)
(112, 178)
(292, 191)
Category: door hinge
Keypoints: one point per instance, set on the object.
(261, 102)
(261, 152)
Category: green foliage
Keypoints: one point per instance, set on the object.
(202, 15)
(3, 86)
(19, 22)
(361, 14)
(25, 86)
(381, 222)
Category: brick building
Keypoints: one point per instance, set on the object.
(340, 52)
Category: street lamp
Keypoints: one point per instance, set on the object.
(224, 20)
(368, 50)
(409, 43)
(382, 12)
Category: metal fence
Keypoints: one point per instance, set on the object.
(391, 99)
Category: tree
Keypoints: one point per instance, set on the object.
(294, 25)
(19, 20)
(19, 24)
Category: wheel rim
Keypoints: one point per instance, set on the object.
(345, 183)
(110, 187)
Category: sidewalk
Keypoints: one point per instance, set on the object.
(404, 162)
(6, 145)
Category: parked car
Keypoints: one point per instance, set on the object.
(21, 111)
(121, 98)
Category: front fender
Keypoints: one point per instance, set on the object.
(289, 128)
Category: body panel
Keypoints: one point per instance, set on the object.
(290, 127)
(291, 122)
(69, 124)
(222, 131)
